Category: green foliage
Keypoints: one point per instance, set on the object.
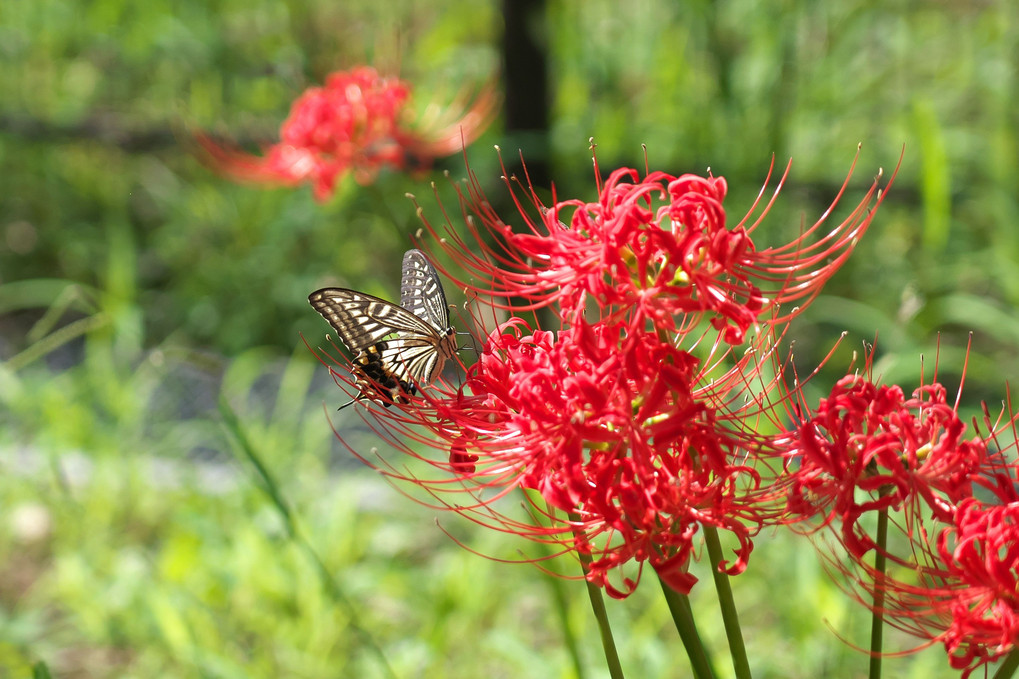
(138, 288)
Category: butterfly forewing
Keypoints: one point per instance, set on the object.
(362, 320)
(421, 291)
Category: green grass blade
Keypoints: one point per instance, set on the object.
(272, 489)
(40, 671)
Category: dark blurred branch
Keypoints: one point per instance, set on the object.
(110, 130)
(526, 104)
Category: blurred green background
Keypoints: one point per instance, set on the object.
(137, 288)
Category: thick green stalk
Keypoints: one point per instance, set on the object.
(601, 615)
(682, 616)
(1008, 666)
(877, 617)
(607, 642)
(730, 616)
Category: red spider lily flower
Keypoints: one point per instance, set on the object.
(637, 422)
(897, 451)
(358, 122)
(979, 551)
(622, 443)
(962, 577)
(661, 245)
(953, 559)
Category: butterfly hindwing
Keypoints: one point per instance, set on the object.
(408, 358)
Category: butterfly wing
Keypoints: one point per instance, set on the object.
(421, 291)
(387, 341)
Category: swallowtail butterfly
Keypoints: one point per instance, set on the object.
(394, 347)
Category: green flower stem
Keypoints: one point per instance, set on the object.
(877, 617)
(601, 615)
(730, 617)
(682, 615)
(607, 642)
(41, 671)
(1008, 666)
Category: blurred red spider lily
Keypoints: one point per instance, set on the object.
(359, 122)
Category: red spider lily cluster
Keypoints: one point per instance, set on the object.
(658, 408)
(870, 438)
(955, 559)
(654, 406)
(978, 557)
(359, 122)
(600, 426)
(648, 412)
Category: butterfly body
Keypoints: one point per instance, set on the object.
(394, 348)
